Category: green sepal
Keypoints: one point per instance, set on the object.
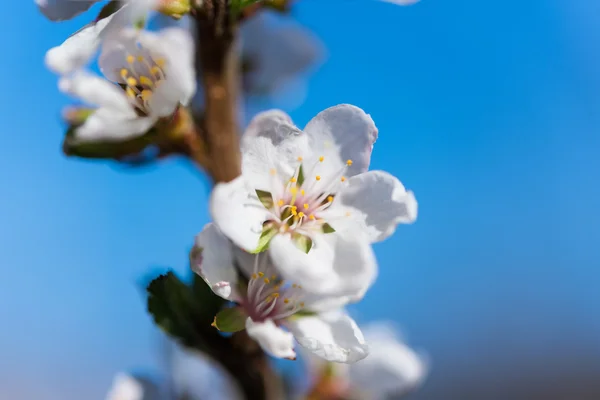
(327, 228)
(231, 320)
(266, 198)
(300, 176)
(302, 242)
(268, 233)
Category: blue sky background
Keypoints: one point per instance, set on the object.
(488, 111)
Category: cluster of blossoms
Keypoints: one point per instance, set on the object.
(291, 238)
(290, 245)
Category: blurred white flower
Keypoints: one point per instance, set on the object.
(391, 370)
(195, 376)
(149, 76)
(60, 10)
(309, 198)
(267, 303)
(126, 387)
(77, 51)
(276, 52)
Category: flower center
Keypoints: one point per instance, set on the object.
(269, 297)
(302, 204)
(140, 76)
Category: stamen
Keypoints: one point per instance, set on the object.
(299, 158)
(300, 214)
(140, 58)
(305, 205)
(161, 62)
(273, 277)
(273, 171)
(311, 217)
(130, 59)
(155, 70)
(293, 179)
(280, 203)
(286, 301)
(329, 199)
(267, 280)
(144, 80)
(343, 179)
(254, 276)
(130, 92)
(132, 81)
(146, 94)
(318, 177)
(349, 162)
(124, 73)
(321, 159)
(302, 192)
(261, 274)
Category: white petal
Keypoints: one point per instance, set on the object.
(382, 202)
(125, 387)
(94, 90)
(77, 50)
(60, 10)
(106, 124)
(347, 129)
(336, 265)
(236, 214)
(274, 340)
(333, 336)
(214, 262)
(392, 368)
(271, 143)
(178, 46)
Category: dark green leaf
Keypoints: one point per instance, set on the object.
(109, 9)
(230, 319)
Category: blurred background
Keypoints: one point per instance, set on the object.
(488, 111)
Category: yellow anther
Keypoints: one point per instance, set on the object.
(261, 274)
(132, 81)
(124, 73)
(329, 199)
(130, 59)
(140, 58)
(280, 203)
(349, 162)
(267, 280)
(302, 304)
(299, 158)
(276, 295)
(161, 62)
(300, 287)
(305, 205)
(318, 177)
(302, 192)
(146, 94)
(343, 179)
(294, 190)
(311, 217)
(293, 179)
(155, 70)
(273, 171)
(130, 92)
(254, 276)
(286, 301)
(294, 208)
(348, 213)
(321, 159)
(273, 277)
(144, 80)
(294, 285)
(300, 214)
(294, 212)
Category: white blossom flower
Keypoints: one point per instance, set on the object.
(309, 198)
(392, 369)
(126, 387)
(149, 76)
(267, 303)
(275, 51)
(60, 10)
(75, 52)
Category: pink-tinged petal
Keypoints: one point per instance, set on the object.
(274, 340)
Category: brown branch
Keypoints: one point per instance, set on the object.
(219, 69)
